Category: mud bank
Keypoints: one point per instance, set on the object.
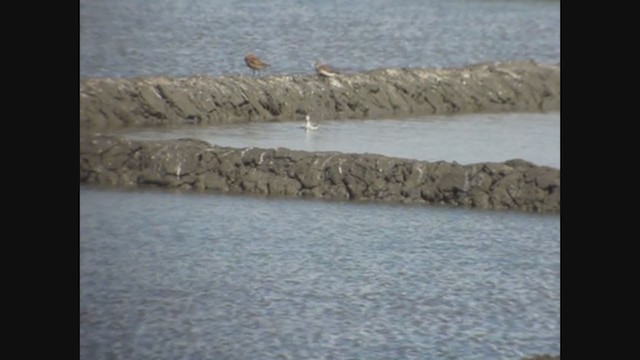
(195, 164)
(542, 357)
(386, 93)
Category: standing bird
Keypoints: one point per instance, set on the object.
(254, 63)
(324, 69)
(310, 125)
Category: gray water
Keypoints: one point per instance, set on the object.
(466, 139)
(169, 275)
(125, 38)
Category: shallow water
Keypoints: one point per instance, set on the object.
(186, 37)
(169, 275)
(463, 138)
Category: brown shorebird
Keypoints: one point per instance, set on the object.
(254, 63)
(325, 70)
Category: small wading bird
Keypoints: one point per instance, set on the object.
(310, 125)
(324, 69)
(254, 63)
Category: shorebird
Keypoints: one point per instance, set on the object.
(324, 69)
(254, 63)
(310, 125)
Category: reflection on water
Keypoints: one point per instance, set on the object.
(165, 275)
(464, 138)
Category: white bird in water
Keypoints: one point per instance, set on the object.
(310, 125)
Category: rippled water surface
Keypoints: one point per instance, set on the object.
(201, 276)
(186, 37)
(465, 138)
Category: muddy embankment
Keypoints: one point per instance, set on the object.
(543, 357)
(386, 93)
(193, 164)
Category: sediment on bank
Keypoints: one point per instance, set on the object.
(195, 164)
(514, 86)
